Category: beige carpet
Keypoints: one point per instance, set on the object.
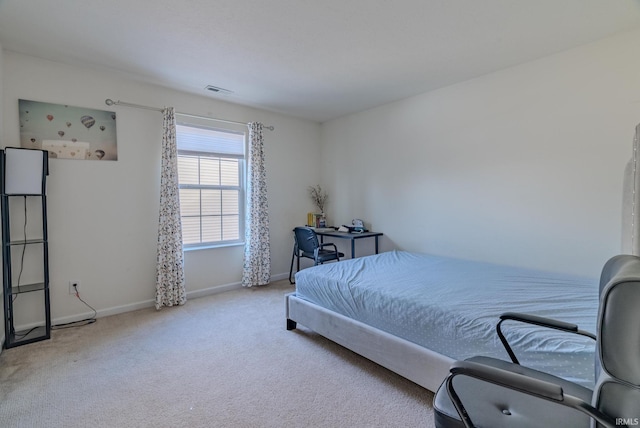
(219, 361)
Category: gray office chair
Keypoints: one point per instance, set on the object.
(486, 392)
(306, 245)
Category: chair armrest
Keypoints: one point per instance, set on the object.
(326, 244)
(329, 244)
(535, 320)
(518, 382)
(538, 320)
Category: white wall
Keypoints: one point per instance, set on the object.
(521, 167)
(103, 215)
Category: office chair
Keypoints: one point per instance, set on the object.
(306, 245)
(487, 392)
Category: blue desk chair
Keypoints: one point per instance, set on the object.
(306, 245)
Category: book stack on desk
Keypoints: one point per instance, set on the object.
(317, 221)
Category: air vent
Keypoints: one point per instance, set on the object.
(218, 90)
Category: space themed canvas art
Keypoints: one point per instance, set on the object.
(68, 132)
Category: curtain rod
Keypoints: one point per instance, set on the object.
(110, 102)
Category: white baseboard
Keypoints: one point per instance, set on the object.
(213, 290)
(104, 312)
(151, 303)
(145, 304)
(280, 276)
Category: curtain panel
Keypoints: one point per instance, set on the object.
(631, 200)
(257, 252)
(170, 284)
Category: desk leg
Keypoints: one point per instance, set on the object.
(353, 248)
(376, 244)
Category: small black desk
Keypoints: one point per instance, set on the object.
(351, 236)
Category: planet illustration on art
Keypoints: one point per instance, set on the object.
(87, 121)
(102, 127)
(49, 117)
(33, 140)
(68, 124)
(99, 154)
(61, 133)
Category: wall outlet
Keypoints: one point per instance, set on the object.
(73, 286)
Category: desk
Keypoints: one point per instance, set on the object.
(351, 236)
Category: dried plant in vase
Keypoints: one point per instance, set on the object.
(319, 197)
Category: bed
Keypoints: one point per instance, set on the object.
(416, 313)
(345, 302)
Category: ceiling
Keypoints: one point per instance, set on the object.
(314, 59)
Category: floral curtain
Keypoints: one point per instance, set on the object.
(631, 200)
(170, 289)
(257, 252)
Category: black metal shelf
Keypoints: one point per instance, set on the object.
(31, 335)
(42, 330)
(27, 288)
(27, 242)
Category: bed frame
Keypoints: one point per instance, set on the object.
(423, 366)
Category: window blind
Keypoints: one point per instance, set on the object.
(207, 140)
(210, 174)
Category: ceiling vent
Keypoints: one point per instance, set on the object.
(218, 90)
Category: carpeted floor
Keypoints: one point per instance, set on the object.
(219, 361)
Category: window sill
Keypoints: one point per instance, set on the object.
(211, 246)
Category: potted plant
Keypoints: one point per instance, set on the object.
(319, 198)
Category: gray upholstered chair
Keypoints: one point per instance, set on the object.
(487, 392)
(306, 245)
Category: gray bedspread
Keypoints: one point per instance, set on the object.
(451, 306)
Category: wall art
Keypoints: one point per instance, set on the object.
(68, 132)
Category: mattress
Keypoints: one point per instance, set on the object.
(452, 306)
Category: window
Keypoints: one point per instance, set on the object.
(211, 179)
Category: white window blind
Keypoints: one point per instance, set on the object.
(211, 177)
(208, 140)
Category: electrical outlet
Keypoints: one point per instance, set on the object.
(74, 286)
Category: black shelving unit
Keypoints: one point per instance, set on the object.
(17, 185)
